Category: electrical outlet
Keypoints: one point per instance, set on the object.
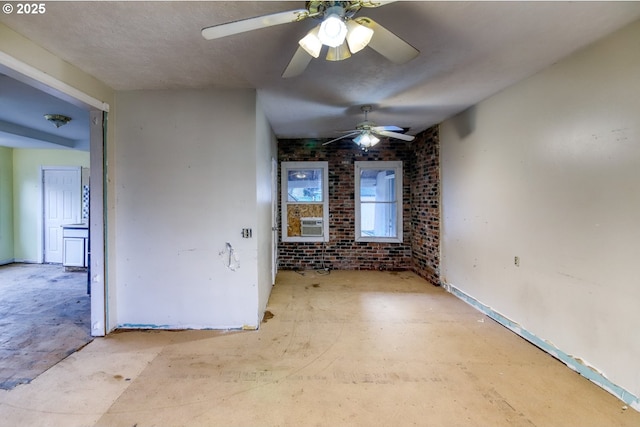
(516, 261)
(247, 233)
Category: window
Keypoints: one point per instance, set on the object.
(305, 204)
(378, 201)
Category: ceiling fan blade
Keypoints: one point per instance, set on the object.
(297, 64)
(342, 137)
(396, 135)
(381, 128)
(249, 24)
(374, 3)
(388, 44)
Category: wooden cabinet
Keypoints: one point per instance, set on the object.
(75, 245)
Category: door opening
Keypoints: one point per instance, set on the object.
(23, 72)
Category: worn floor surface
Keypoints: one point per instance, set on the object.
(44, 317)
(346, 349)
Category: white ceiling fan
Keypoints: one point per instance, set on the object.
(366, 133)
(339, 30)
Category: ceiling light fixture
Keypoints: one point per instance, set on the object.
(338, 53)
(311, 43)
(366, 140)
(339, 32)
(333, 30)
(57, 119)
(358, 36)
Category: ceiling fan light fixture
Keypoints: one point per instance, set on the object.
(300, 174)
(57, 119)
(333, 30)
(358, 36)
(338, 53)
(311, 43)
(366, 140)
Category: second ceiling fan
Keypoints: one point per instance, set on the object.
(339, 30)
(366, 133)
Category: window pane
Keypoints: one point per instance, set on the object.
(378, 203)
(304, 185)
(378, 185)
(378, 220)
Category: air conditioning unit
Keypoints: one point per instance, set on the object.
(311, 227)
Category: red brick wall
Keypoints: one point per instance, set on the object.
(425, 205)
(342, 252)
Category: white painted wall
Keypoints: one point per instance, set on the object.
(549, 170)
(186, 175)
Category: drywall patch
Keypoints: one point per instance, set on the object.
(230, 257)
(574, 363)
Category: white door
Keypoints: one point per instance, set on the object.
(62, 205)
(274, 219)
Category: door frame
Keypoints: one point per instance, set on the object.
(98, 223)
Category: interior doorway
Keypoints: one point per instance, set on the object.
(13, 68)
(80, 314)
(46, 310)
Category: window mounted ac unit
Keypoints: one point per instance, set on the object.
(311, 227)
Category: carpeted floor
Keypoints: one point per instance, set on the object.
(44, 317)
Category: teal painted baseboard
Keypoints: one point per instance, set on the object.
(143, 326)
(572, 362)
(182, 327)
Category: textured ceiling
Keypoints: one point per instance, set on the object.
(468, 51)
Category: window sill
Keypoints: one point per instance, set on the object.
(305, 239)
(368, 239)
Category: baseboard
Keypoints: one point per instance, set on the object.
(150, 326)
(25, 261)
(7, 261)
(572, 362)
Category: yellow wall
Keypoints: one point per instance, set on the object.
(27, 200)
(6, 203)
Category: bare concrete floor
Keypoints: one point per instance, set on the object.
(44, 316)
(346, 349)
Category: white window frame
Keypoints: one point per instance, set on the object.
(284, 186)
(389, 165)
